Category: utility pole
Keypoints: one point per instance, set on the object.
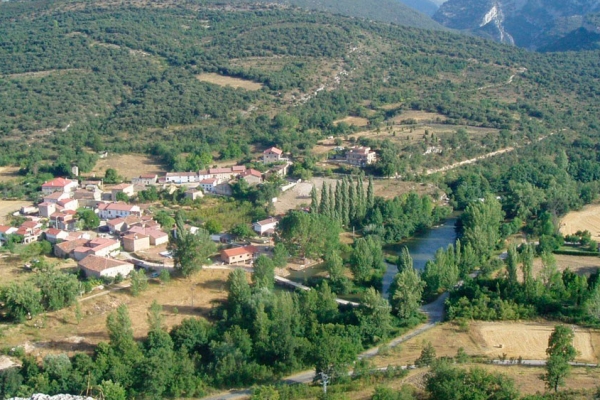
(325, 380)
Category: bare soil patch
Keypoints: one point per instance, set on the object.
(8, 207)
(42, 74)
(8, 173)
(356, 121)
(419, 116)
(58, 332)
(128, 165)
(586, 219)
(236, 83)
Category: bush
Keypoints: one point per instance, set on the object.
(164, 276)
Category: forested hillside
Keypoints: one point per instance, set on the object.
(81, 77)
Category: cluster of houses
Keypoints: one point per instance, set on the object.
(55, 218)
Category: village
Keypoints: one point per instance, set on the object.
(126, 229)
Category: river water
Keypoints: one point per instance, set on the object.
(422, 248)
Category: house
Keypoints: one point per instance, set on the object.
(99, 247)
(125, 188)
(156, 236)
(193, 194)
(360, 156)
(265, 227)
(6, 231)
(225, 174)
(87, 198)
(272, 155)
(239, 254)
(59, 185)
(92, 184)
(54, 235)
(252, 176)
(46, 209)
(147, 179)
(209, 185)
(281, 169)
(63, 220)
(136, 242)
(104, 267)
(115, 210)
(65, 249)
(116, 225)
(56, 197)
(68, 204)
(181, 177)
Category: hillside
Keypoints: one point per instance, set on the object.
(424, 6)
(528, 24)
(81, 77)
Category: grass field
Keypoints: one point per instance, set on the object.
(528, 340)
(235, 83)
(586, 219)
(8, 207)
(578, 264)
(356, 121)
(128, 165)
(8, 173)
(59, 332)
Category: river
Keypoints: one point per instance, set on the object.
(422, 248)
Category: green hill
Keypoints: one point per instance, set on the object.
(83, 77)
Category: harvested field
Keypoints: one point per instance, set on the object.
(128, 165)
(43, 74)
(586, 219)
(235, 83)
(419, 116)
(59, 331)
(356, 121)
(299, 195)
(578, 264)
(8, 173)
(8, 207)
(11, 267)
(528, 340)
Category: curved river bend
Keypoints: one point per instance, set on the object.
(422, 248)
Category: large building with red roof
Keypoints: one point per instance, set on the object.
(59, 185)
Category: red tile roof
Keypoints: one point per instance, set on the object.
(267, 221)
(252, 172)
(53, 231)
(238, 251)
(57, 183)
(5, 228)
(273, 150)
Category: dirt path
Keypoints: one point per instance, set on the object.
(469, 161)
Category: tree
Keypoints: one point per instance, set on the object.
(560, 353)
(190, 251)
(427, 357)
(265, 393)
(122, 196)
(512, 260)
(21, 300)
(242, 231)
(112, 391)
(361, 261)
(89, 218)
(139, 282)
(406, 292)
(314, 201)
(239, 293)
(280, 255)
(334, 264)
(111, 176)
(264, 272)
(337, 350)
(370, 195)
(405, 261)
(592, 305)
(58, 289)
(374, 316)
(213, 226)
(324, 206)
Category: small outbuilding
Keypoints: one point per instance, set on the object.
(104, 267)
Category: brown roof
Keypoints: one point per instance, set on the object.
(148, 176)
(53, 231)
(274, 150)
(71, 245)
(267, 221)
(238, 251)
(252, 172)
(99, 264)
(56, 196)
(5, 228)
(115, 221)
(135, 236)
(122, 186)
(220, 171)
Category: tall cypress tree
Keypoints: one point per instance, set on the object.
(331, 196)
(314, 202)
(360, 199)
(339, 202)
(324, 205)
(345, 212)
(352, 202)
(370, 195)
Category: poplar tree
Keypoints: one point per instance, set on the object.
(360, 199)
(405, 261)
(339, 202)
(314, 201)
(331, 197)
(511, 266)
(370, 195)
(324, 205)
(351, 201)
(345, 211)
